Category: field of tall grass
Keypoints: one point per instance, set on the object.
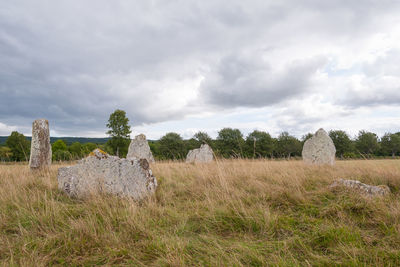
(228, 213)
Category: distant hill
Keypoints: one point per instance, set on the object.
(67, 140)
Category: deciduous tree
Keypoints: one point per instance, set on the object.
(230, 142)
(367, 142)
(5, 153)
(172, 146)
(259, 144)
(391, 144)
(19, 145)
(288, 145)
(58, 145)
(119, 132)
(342, 142)
(203, 138)
(76, 150)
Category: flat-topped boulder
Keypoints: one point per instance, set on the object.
(204, 154)
(364, 189)
(102, 173)
(319, 149)
(40, 145)
(139, 148)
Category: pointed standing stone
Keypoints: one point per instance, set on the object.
(139, 148)
(40, 145)
(319, 149)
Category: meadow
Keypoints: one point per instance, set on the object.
(227, 213)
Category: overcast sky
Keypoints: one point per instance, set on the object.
(185, 66)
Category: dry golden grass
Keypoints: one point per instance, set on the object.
(228, 213)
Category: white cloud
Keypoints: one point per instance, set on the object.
(6, 129)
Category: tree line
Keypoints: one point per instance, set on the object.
(17, 148)
(230, 143)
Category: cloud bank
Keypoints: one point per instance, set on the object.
(304, 62)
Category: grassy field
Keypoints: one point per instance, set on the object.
(229, 213)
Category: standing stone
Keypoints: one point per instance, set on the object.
(319, 149)
(139, 149)
(204, 154)
(100, 172)
(40, 145)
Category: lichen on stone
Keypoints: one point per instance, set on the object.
(98, 153)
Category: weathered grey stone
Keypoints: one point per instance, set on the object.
(204, 154)
(319, 149)
(100, 172)
(139, 149)
(368, 190)
(40, 146)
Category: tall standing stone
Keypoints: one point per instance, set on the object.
(139, 148)
(319, 149)
(204, 154)
(40, 145)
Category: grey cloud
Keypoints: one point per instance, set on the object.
(252, 82)
(296, 120)
(74, 63)
(375, 93)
